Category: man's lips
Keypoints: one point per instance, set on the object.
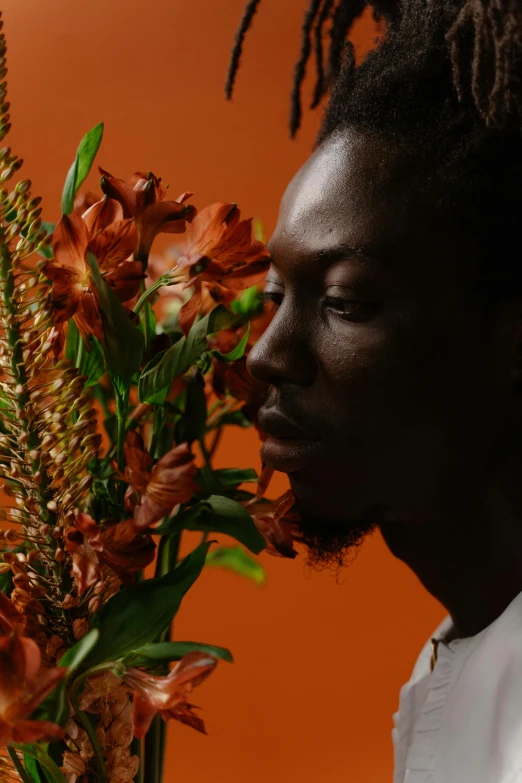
(288, 447)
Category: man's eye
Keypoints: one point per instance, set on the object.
(273, 296)
(349, 309)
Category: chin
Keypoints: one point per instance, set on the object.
(342, 501)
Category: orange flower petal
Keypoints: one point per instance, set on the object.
(171, 482)
(115, 243)
(125, 278)
(88, 316)
(43, 683)
(125, 550)
(29, 731)
(68, 286)
(70, 240)
(142, 714)
(206, 230)
(163, 217)
(121, 191)
(138, 461)
(189, 312)
(101, 214)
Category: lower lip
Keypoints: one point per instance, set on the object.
(289, 454)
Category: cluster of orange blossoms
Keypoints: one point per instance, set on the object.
(219, 259)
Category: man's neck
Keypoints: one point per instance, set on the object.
(475, 572)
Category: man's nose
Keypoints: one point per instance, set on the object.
(283, 354)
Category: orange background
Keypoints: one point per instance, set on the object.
(319, 663)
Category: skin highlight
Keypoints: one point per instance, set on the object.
(398, 378)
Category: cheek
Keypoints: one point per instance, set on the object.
(399, 387)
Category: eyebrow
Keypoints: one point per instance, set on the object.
(359, 252)
(364, 253)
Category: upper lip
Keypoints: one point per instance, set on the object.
(277, 425)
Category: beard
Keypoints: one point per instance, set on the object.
(332, 543)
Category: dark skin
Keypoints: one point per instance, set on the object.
(394, 384)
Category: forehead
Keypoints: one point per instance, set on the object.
(357, 192)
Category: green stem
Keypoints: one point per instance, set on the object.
(24, 776)
(155, 739)
(215, 442)
(148, 292)
(137, 750)
(79, 353)
(159, 421)
(206, 454)
(153, 752)
(91, 733)
(122, 403)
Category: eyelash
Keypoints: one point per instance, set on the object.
(331, 302)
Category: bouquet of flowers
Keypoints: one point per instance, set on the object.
(118, 373)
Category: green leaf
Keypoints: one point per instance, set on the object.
(56, 706)
(224, 482)
(137, 615)
(6, 583)
(164, 652)
(259, 231)
(231, 477)
(76, 655)
(191, 426)
(237, 352)
(217, 514)
(79, 170)
(249, 303)
(159, 397)
(33, 769)
(45, 763)
(123, 342)
(234, 558)
(159, 375)
(91, 363)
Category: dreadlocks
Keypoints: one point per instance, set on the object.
(444, 83)
(342, 14)
(483, 39)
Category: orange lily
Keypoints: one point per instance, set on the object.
(143, 198)
(243, 387)
(23, 686)
(154, 494)
(101, 231)
(119, 546)
(220, 250)
(278, 523)
(168, 695)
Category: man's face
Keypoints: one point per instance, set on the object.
(387, 397)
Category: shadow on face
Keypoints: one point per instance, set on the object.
(388, 383)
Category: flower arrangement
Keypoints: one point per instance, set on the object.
(119, 371)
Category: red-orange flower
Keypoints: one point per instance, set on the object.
(169, 695)
(220, 250)
(154, 494)
(101, 231)
(143, 198)
(119, 546)
(23, 686)
(278, 523)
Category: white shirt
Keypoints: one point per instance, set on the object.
(462, 723)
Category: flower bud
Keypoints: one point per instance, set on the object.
(80, 628)
(69, 601)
